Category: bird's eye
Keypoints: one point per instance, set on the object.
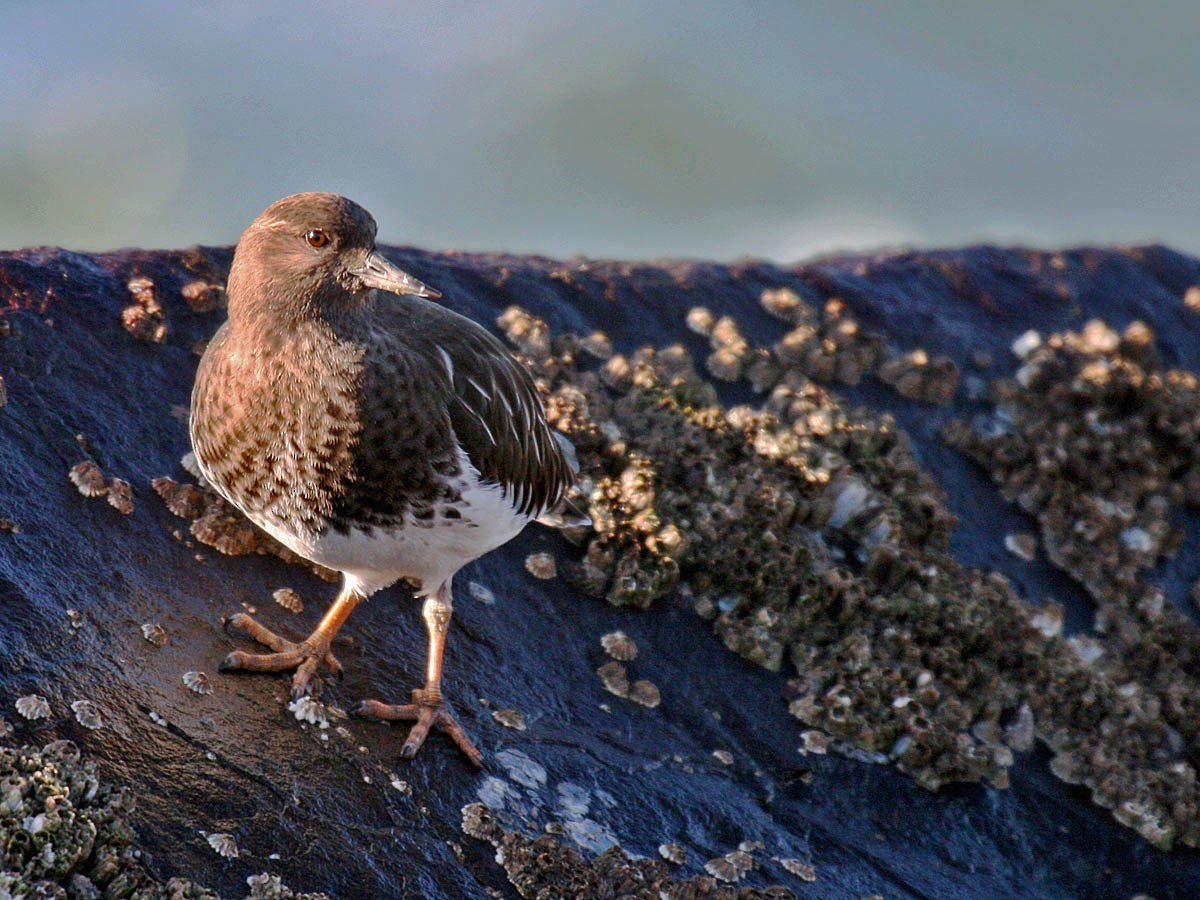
(317, 238)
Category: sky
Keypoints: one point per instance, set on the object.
(779, 129)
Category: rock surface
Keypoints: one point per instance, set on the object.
(110, 599)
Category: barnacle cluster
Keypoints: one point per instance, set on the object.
(143, 318)
(1101, 445)
(65, 834)
(544, 867)
(833, 559)
(825, 344)
(918, 376)
(89, 479)
(219, 525)
(203, 296)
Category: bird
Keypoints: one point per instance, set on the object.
(370, 430)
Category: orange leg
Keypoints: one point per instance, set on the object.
(429, 709)
(304, 657)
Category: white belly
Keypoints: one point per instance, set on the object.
(426, 551)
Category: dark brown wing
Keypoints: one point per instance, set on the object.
(498, 416)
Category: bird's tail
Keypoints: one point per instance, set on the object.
(566, 513)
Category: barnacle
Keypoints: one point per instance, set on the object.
(673, 853)
(198, 682)
(184, 500)
(614, 678)
(33, 706)
(730, 867)
(86, 714)
(203, 296)
(288, 599)
(541, 565)
(802, 870)
(619, 645)
(224, 844)
(510, 718)
(645, 692)
(88, 478)
(120, 496)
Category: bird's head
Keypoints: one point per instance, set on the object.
(311, 252)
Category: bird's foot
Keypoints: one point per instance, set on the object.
(305, 657)
(429, 710)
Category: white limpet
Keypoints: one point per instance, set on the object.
(223, 843)
(86, 714)
(802, 870)
(198, 682)
(154, 633)
(120, 496)
(88, 478)
(645, 692)
(541, 565)
(673, 853)
(614, 678)
(481, 593)
(33, 706)
(619, 645)
(722, 869)
(510, 718)
(288, 599)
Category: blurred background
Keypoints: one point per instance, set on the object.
(779, 128)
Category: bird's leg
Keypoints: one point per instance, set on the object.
(429, 708)
(305, 656)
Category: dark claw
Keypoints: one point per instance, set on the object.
(230, 663)
(357, 708)
(408, 751)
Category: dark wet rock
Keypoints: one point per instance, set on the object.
(795, 510)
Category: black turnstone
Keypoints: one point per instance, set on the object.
(381, 437)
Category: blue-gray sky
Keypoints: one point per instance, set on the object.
(777, 128)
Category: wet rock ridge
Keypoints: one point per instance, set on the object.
(891, 589)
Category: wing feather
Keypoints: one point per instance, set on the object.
(503, 430)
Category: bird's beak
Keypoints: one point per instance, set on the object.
(377, 272)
